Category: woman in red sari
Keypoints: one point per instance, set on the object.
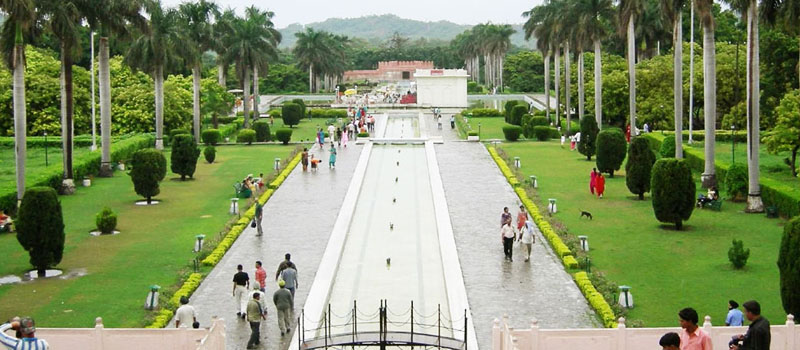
(593, 180)
(600, 185)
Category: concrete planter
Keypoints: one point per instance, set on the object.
(473, 138)
(87, 182)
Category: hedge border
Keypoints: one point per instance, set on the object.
(593, 297)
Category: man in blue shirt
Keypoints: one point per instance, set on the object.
(28, 341)
(734, 317)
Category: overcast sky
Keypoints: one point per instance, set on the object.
(458, 11)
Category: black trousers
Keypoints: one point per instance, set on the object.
(255, 334)
(508, 243)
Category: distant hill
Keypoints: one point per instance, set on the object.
(380, 28)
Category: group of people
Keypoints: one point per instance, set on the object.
(524, 232)
(705, 199)
(250, 305)
(692, 337)
(597, 183)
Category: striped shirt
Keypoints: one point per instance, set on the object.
(20, 344)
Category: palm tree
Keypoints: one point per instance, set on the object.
(311, 50)
(672, 11)
(110, 17)
(152, 52)
(20, 17)
(628, 10)
(222, 29)
(593, 16)
(704, 7)
(541, 26)
(264, 20)
(198, 35)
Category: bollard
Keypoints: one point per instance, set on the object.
(534, 183)
(551, 208)
(562, 138)
(152, 297)
(584, 243)
(277, 164)
(234, 206)
(517, 163)
(198, 244)
(625, 297)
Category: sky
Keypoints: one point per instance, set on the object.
(458, 11)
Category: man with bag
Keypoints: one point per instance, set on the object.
(257, 220)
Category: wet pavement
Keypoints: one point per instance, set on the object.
(297, 219)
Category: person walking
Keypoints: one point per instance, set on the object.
(592, 180)
(26, 328)
(507, 235)
(255, 313)
(522, 216)
(304, 159)
(259, 215)
(452, 122)
(600, 185)
(692, 336)
(339, 136)
(261, 276)
(241, 281)
(734, 317)
(286, 263)
(331, 132)
(758, 334)
(439, 121)
(186, 316)
(289, 277)
(505, 218)
(345, 137)
(527, 238)
(284, 301)
(332, 158)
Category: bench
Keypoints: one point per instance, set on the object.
(242, 191)
(715, 205)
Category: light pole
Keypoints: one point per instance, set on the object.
(45, 150)
(733, 147)
(479, 129)
(94, 126)
(691, 72)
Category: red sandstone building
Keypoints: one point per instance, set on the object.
(391, 71)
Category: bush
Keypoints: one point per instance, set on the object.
(736, 182)
(539, 120)
(175, 132)
(542, 133)
(611, 150)
(517, 112)
(483, 113)
(275, 113)
(474, 87)
(317, 113)
(246, 136)
(508, 107)
(262, 131)
(148, 168)
(336, 113)
(639, 166)
(284, 135)
(789, 266)
(589, 132)
(106, 221)
(512, 132)
(211, 136)
(738, 255)
(302, 104)
(363, 134)
(40, 227)
(291, 114)
(472, 133)
(210, 153)
(185, 152)
(668, 147)
(673, 191)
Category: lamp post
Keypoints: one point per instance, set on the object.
(45, 149)
(479, 129)
(94, 125)
(733, 147)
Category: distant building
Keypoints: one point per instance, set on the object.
(441, 87)
(391, 71)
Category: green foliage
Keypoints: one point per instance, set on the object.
(184, 156)
(587, 145)
(176, 132)
(472, 133)
(673, 191)
(106, 221)
(148, 168)
(336, 113)
(363, 134)
(785, 136)
(668, 147)
(283, 78)
(317, 113)
(516, 114)
(542, 133)
(737, 117)
(262, 131)
(524, 71)
(508, 107)
(292, 113)
(512, 132)
(482, 112)
(211, 136)
(789, 266)
(210, 153)
(284, 135)
(527, 127)
(247, 136)
(738, 255)
(302, 104)
(474, 88)
(215, 100)
(539, 120)
(639, 165)
(276, 113)
(611, 150)
(40, 227)
(736, 182)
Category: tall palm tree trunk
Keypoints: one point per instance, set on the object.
(196, 101)
(598, 85)
(567, 97)
(20, 122)
(558, 85)
(581, 95)
(677, 87)
(255, 94)
(158, 80)
(754, 203)
(67, 183)
(632, 74)
(105, 108)
(311, 78)
(547, 86)
(221, 75)
(246, 88)
(709, 176)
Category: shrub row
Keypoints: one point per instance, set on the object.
(285, 173)
(504, 168)
(595, 299)
(720, 135)
(167, 311)
(55, 141)
(483, 112)
(326, 113)
(83, 166)
(773, 192)
(232, 127)
(162, 319)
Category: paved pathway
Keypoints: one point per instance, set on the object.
(476, 193)
(297, 219)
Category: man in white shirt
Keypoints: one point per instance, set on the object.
(185, 316)
(26, 328)
(332, 132)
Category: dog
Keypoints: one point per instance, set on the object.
(586, 214)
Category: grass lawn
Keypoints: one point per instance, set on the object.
(667, 270)
(34, 164)
(490, 127)
(305, 131)
(155, 244)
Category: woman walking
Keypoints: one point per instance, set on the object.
(332, 159)
(522, 217)
(600, 185)
(593, 180)
(527, 238)
(304, 159)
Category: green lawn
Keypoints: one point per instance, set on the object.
(668, 270)
(305, 131)
(34, 164)
(490, 127)
(155, 243)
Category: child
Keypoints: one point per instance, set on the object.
(314, 163)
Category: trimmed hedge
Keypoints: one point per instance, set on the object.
(262, 131)
(472, 133)
(148, 168)
(595, 299)
(483, 113)
(673, 190)
(542, 133)
(789, 266)
(736, 182)
(292, 113)
(284, 135)
(211, 136)
(512, 132)
(40, 227)
(246, 136)
(611, 150)
(183, 158)
(638, 168)
(589, 131)
(106, 221)
(230, 129)
(210, 153)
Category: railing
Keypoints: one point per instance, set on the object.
(382, 328)
(784, 337)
